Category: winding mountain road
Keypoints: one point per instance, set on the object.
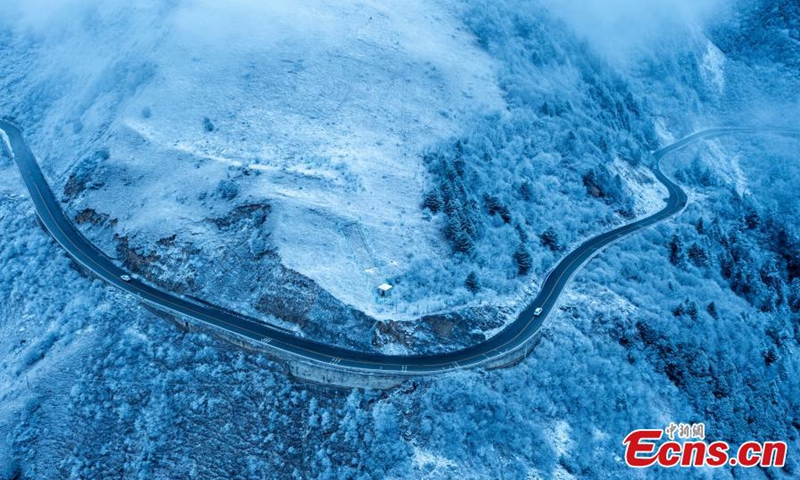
(514, 337)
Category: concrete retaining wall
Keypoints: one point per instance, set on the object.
(326, 374)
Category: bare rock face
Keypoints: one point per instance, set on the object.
(254, 214)
(84, 175)
(440, 332)
(167, 265)
(288, 296)
(92, 217)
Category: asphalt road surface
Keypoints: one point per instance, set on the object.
(515, 336)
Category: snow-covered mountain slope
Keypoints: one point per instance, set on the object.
(319, 111)
(278, 159)
(693, 320)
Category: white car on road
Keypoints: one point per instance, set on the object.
(537, 312)
(125, 277)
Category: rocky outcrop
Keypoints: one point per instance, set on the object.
(92, 217)
(84, 175)
(287, 295)
(440, 332)
(167, 265)
(254, 214)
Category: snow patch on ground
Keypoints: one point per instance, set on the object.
(560, 438)
(7, 144)
(663, 132)
(430, 462)
(724, 164)
(647, 192)
(713, 67)
(599, 298)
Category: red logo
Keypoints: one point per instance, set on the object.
(643, 448)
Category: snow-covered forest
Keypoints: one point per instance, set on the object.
(281, 159)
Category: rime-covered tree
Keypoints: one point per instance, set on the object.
(698, 255)
(523, 260)
(549, 239)
(472, 282)
(432, 202)
(675, 250)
